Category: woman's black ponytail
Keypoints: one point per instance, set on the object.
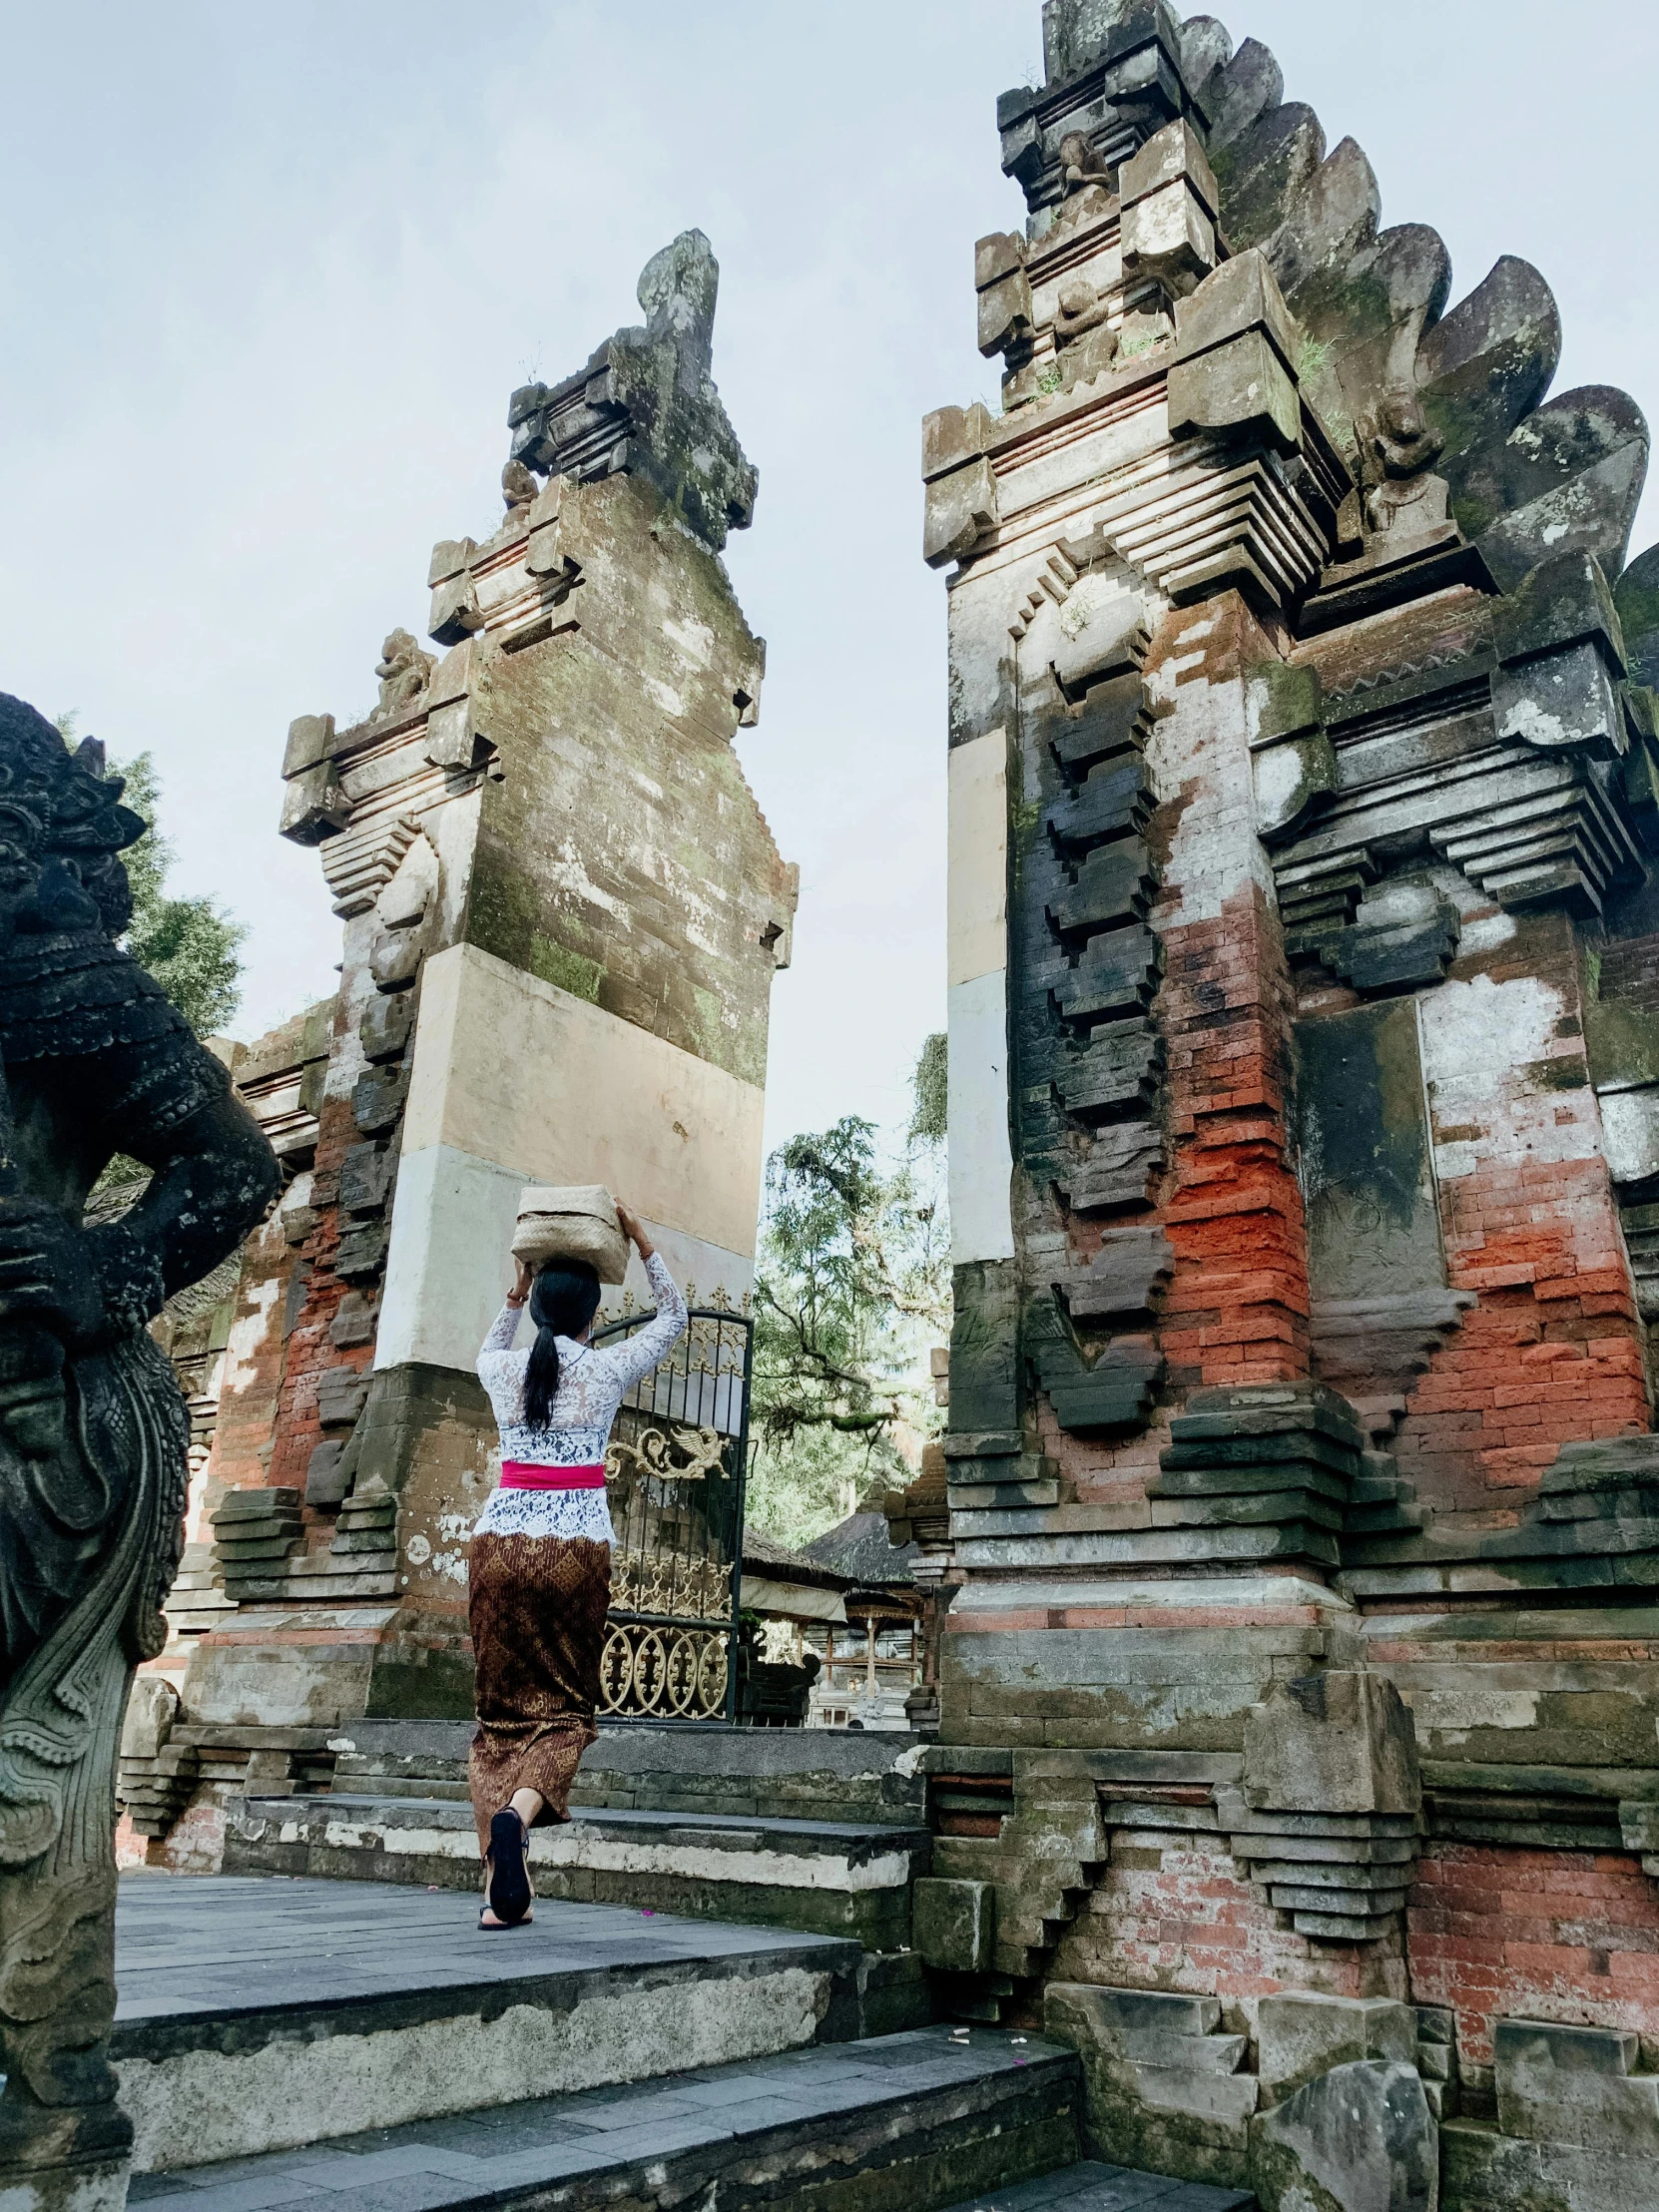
(563, 1300)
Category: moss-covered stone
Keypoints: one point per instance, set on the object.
(621, 855)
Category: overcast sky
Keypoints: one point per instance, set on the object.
(271, 273)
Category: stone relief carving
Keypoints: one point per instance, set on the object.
(93, 1431)
(1081, 166)
(1398, 448)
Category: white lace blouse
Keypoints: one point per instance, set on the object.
(592, 1384)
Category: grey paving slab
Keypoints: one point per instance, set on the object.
(182, 2195)
(230, 1945)
(539, 2142)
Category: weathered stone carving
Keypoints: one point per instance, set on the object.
(93, 1431)
(647, 403)
(519, 485)
(405, 672)
(1080, 165)
(1397, 448)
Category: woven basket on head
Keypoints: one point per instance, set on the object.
(577, 1222)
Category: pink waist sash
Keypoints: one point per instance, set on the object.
(518, 1474)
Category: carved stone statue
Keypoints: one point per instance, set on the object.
(519, 485)
(1080, 307)
(93, 1431)
(1398, 448)
(405, 672)
(1080, 165)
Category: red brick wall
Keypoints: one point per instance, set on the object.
(1566, 1935)
(310, 1351)
(1178, 1914)
(1533, 1367)
(1552, 1352)
(1237, 1310)
(252, 1370)
(268, 1422)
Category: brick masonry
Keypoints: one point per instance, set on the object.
(1568, 1937)
(1370, 1334)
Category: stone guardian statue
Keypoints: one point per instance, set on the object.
(93, 1429)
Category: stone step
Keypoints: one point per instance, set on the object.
(1381, 1484)
(1091, 2187)
(907, 2123)
(835, 1878)
(1386, 1515)
(257, 2016)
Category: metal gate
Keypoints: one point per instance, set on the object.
(676, 1467)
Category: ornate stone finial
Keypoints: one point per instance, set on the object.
(678, 288)
(93, 1431)
(405, 672)
(646, 403)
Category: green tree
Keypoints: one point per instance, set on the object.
(191, 949)
(929, 1090)
(853, 1289)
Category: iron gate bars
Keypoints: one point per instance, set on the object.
(676, 1469)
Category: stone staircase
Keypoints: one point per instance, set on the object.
(747, 1824)
(304, 2042)
(831, 1878)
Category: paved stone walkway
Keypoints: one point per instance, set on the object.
(202, 1959)
(222, 1944)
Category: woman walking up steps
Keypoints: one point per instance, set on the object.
(541, 1553)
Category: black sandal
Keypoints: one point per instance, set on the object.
(507, 1886)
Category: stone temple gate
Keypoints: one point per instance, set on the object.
(1296, 1530)
(1299, 1520)
(562, 915)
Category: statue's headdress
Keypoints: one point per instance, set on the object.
(60, 806)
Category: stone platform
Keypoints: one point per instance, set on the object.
(831, 1878)
(908, 2122)
(249, 2010)
(291, 2041)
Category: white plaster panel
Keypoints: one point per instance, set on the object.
(978, 607)
(703, 1270)
(981, 1159)
(514, 1070)
(1201, 748)
(1631, 1123)
(449, 1267)
(977, 894)
(1478, 1040)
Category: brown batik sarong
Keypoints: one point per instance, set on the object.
(537, 1612)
